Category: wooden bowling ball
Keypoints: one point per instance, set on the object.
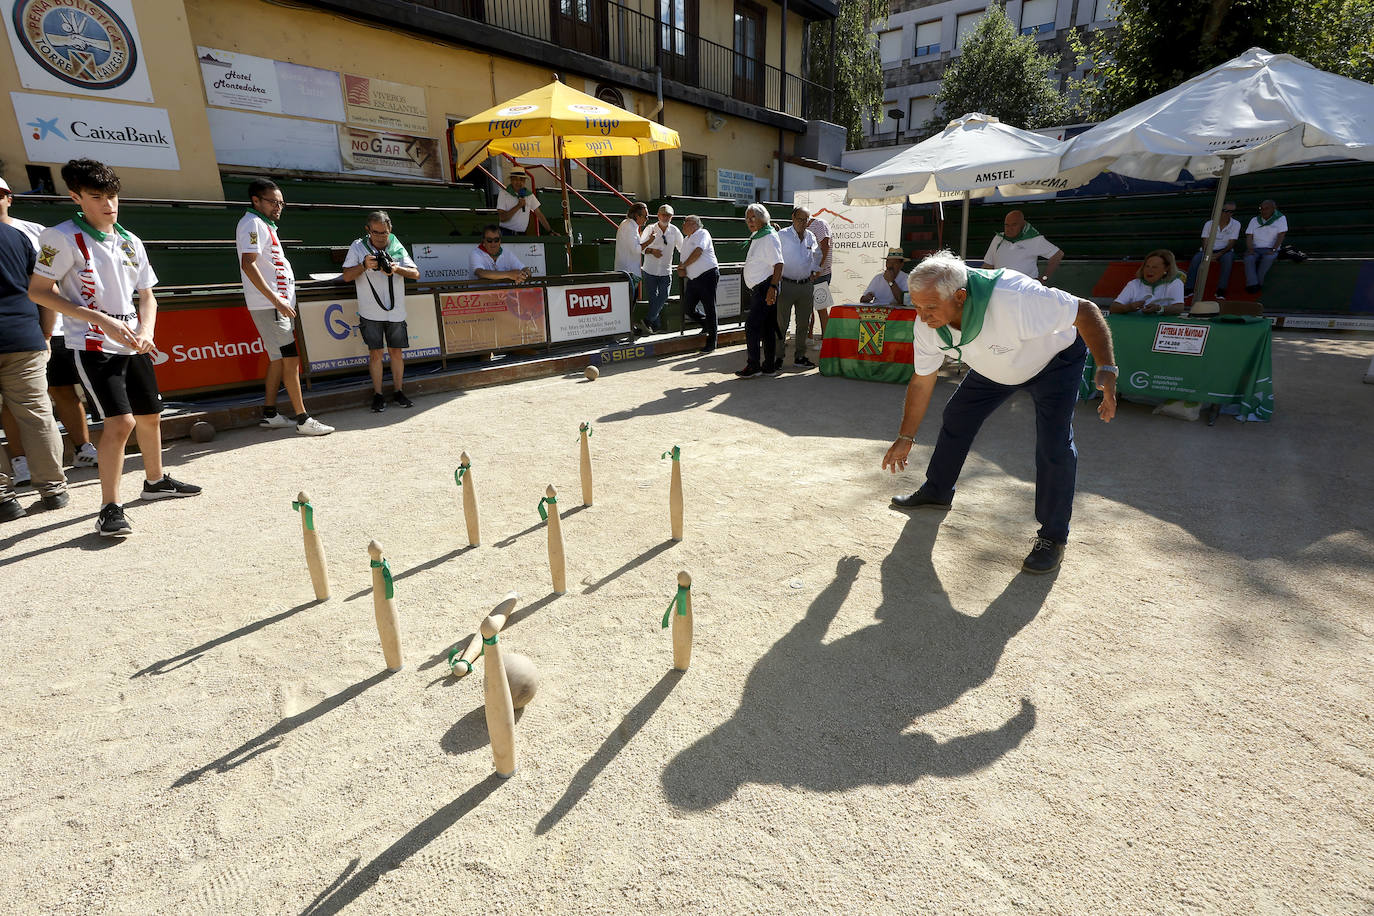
(522, 676)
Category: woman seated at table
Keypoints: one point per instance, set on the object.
(1156, 290)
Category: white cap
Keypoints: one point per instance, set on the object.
(4, 185)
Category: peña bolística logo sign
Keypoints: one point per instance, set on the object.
(81, 42)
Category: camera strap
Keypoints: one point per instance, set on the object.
(390, 286)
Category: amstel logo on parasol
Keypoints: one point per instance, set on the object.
(81, 42)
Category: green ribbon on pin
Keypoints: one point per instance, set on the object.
(458, 474)
(454, 661)
(680, 599)
(309, 511)
(549, 500)
(385, 567)
(675, 452)
(490, 642)
(588, 428)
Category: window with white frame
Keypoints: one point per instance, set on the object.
(927, 38)
(1106, 10)
(967, 23)
(1037, 16)
(890, 46)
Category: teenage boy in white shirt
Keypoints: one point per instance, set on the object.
(378, 265)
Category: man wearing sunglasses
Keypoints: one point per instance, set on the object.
(379, 265)
(492, 261)
(1223, 249)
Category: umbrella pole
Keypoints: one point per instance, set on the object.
(963, 231)
(567, 217)
(1200, 282)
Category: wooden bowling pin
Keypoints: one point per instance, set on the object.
(314, 549)
(556, 566)
(682, 624)
(675, 494)
(462, 665)
(384, 606)
(586, 430)
(496, 693)
(469, 499)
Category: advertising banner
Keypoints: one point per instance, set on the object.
(234, 80)
(332, 341)
(593, 309)
(198, 348)
(448, 263)
(56, 129)
(90, 47)
(247, 138)
(728, 301)
(385, 105)
(859, 239)
(492, 319)
(390, 154)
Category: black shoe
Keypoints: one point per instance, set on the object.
(112, 523)
(56, 500)
(919, 500)
(709, 348)
(378, 402)
(804, 363)
(773, 368)
(10, 510)
(168, 488)
(749, 372)
(1044, 557)
(400, 398)
(1252, 289)
(1221, 295)
(698, 316)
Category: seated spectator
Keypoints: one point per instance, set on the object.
(492, 261)
(1223, 250)
(889, 287)
(1263, 239)
(1156, 290)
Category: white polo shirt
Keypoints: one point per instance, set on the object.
(254, 236)
(1228, 233)
(627, 252)
(1025, 326)
(882, 294)
(519, 220)
(821, 230)
(1159, 294)
(764, 252)
(1264, 236)
(32, 230)
(666, 239)
(505, 260)
(103, 274)
(380, 297)
(701, 239)
(1020, 256)
(800, 254)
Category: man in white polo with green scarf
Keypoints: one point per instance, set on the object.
(1020, 246)
(1014, 334)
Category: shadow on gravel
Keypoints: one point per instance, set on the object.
(833, 716)
(167, 665)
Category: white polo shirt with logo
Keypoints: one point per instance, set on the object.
(102, 274)
(254, 236)
(1022, 256)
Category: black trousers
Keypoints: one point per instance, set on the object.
(702, 290)
(761, 327)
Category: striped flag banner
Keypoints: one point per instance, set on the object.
(871, 343)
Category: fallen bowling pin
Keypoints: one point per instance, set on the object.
(556, 565)
(314, 548)
(384, 607)
(675, 492)
(680, 611)
(461, 666)
(585, 431)
(500, 709)
(463, 477)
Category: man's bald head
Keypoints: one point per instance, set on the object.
(1014, 223)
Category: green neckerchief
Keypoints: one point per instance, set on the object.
(394, 249)
(980, 286)
(1027, 232)
(253, 212)
(1165, 281)
(1265, 222)
(95, 233)
(767, 228)
(513, 193)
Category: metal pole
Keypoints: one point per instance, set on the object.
(831, 118)
(567, 211)
(963, 231)
(1200, 284)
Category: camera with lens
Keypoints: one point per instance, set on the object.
(384, 262)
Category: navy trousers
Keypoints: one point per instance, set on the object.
(1055, 393)
(761, 327)
(701, 290)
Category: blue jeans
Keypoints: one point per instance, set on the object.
(1222, 263)
(1254, 273)
(761, 327)
(1055, 393)
(656, 291)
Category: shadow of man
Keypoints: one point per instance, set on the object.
(833, 716)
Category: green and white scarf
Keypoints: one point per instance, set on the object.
(252, 212)
(1265, 222)
(80, 220)
(981, 283)
(1027, 233)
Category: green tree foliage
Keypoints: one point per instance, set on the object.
(857, 67)
(1003, 73)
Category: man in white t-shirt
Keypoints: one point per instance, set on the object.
(889, 287)
(660, 240)
(1013, 333)
(699, 268)
(629, 251)
(1223, 250)
(1263, 239)
(379, 265)
(1020, 246)
(493, 261)
(269, 291)
(516, 205)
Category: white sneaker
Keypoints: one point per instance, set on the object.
(21, 471)
(313, 427)
(276, 421)
(85, 457)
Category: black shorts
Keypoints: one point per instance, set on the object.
(61, 365)
(119, 385)
(379, 334)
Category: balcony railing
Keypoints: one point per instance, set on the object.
(618, 34)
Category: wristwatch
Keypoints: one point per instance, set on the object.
(1112, 369)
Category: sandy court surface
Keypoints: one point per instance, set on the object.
(882, 714)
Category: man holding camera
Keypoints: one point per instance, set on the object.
(378, 265)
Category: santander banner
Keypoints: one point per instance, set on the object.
(589, 310)
(201, 348)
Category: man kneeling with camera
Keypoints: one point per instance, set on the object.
(379, 265)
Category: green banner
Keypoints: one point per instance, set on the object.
(1226, 360)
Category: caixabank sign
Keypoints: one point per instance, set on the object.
(587, 310)
(57, 129)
